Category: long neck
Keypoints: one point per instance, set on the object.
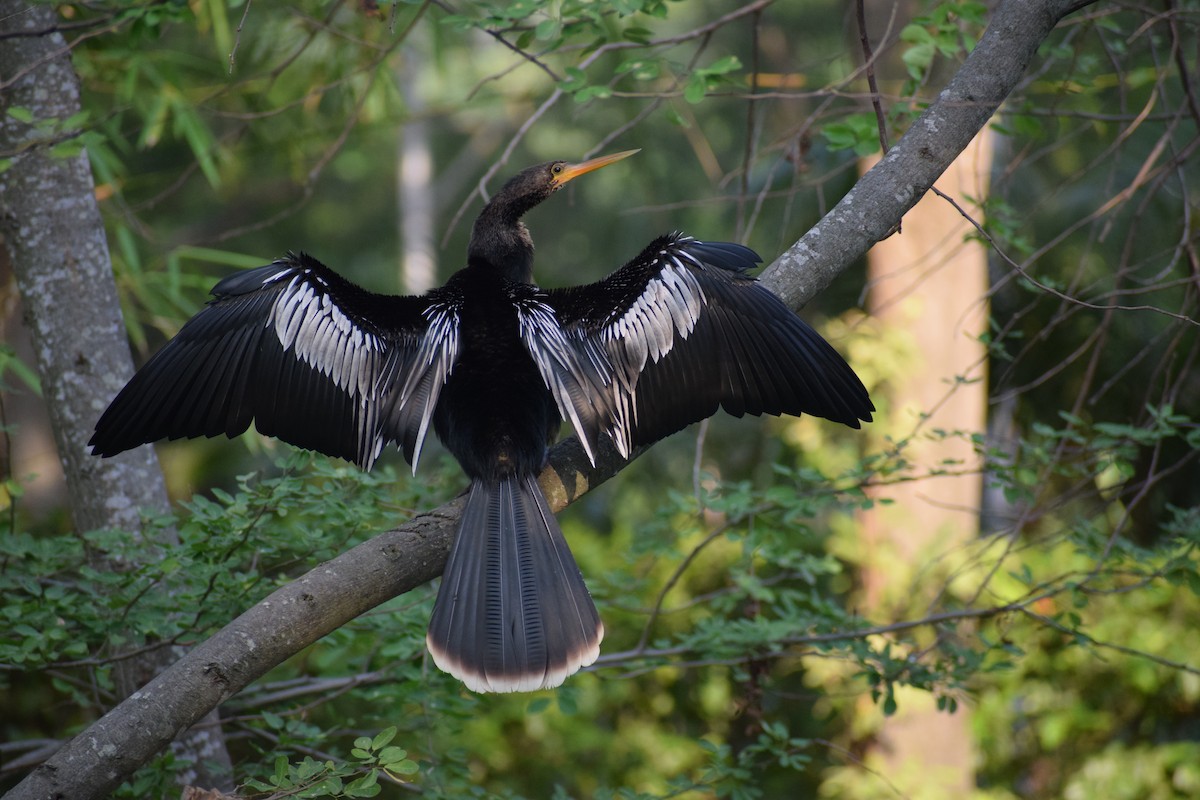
(501, 242)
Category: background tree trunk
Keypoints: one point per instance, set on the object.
(415, 187)
(928, 284)
(55, 239)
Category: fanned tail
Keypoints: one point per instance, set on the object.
(513, 613)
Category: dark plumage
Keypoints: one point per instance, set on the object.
(494, 364)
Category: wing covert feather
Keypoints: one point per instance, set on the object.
(686, 331)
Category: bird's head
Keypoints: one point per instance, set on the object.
(560, 172)
(534, 184)
(499, 237)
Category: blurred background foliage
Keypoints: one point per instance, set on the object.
(726, 560)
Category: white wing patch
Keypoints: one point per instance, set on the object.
(431, 367)
(670, 304)
(366, 366)
(594, 381)
(322, 336)
(575, 371)
(309, 322)
(669, 307)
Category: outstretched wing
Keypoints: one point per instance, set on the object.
(679, 332)
(306, 355)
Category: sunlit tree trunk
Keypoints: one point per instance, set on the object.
(54, 237)
(417, 204)
(928, 289)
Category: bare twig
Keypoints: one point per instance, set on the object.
(237, 40)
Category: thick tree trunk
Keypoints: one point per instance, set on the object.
(54, 236)
(97, 760)
(929, 285)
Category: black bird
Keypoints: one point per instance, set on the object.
(495, 363)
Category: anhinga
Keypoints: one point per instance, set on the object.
(496, 364)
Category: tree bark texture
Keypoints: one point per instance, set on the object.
(54, 235)
(51, 228)
(293, 617)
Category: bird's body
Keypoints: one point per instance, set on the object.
(493, 364)
(491, 438)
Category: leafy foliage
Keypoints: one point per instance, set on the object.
(373, 756)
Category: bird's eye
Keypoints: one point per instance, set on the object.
(557, 168)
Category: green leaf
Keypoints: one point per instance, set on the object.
(695, 89)
(199, 138)
(722, 66)
(589, 92)
(857, 132)
(384, 737)
(366, 786)
(635, 34)
(576, 80)
(889, 703)
(918, 59)
(639, 68)
(675, 118)
(389, 754)
(9, 361)
(66, 149)
(405, 767)
(915, 34)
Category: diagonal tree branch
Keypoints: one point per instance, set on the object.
(97, 760)
(871, 210)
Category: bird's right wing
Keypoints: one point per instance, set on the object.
(677, 333)
(306, 355)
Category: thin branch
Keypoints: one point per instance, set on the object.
(869, 62)
(557, 94)
(498, 36)
(237, 41)
(1020, 270)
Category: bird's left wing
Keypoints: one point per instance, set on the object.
(306, 355)
(675, 334)
(576, 368)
